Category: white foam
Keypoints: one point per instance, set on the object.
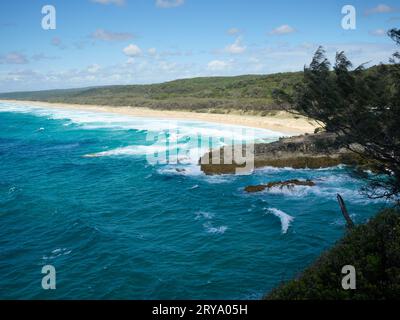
(12, 189)
(129, 151)
(215, 230)
(95, 120)
(187, 170)
(57, 253)
(284, 217)
(295, 191)
(208, 225)
(177, 132)
(328, 188)
(204, 215)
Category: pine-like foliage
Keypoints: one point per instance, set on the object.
(361, 106)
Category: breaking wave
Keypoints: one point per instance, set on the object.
(286, 219)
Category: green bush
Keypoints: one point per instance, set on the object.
(373, 249)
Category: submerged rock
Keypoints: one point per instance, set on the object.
(280, 184)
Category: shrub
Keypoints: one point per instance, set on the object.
(373, 249)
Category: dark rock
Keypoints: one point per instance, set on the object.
(311, 151)
(280, 184)
(253, 189)
(291, 183)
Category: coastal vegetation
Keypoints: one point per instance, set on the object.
(361, 108)
(248, 94)
(363, 111)
(372, 248)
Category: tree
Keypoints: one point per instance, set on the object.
(362, 106)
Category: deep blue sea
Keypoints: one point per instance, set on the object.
(77, 192)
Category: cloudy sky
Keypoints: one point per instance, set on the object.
(102, 42)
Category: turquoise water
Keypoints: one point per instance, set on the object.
(117, 227)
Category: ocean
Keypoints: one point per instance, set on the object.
(78, 192)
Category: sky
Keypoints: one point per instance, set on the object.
(106, 42)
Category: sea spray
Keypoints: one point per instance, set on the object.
(286, 219)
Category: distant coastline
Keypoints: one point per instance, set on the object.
(281, 121)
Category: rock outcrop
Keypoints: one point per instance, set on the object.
(312, 151)
(279, 184)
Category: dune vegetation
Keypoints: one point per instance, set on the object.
(250, 94)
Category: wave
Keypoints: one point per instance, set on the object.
(208, 225)
(181, 142)
(187, 170)
(328, 185)
(129, 151)
(214, 230)
(107, 120)
(204, 215)
(286, 219)
(57, 253)
(269, 169)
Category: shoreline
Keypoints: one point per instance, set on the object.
(283, 121)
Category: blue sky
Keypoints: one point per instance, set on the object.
(102, 42)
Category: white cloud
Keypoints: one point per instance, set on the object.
(378, 32)
(362, 52)
(218, 65)
(169, 3)
(116, 2)
(94, 68)
(236, 48)
(167, 66)
(13, 58)
(152, 51)
(284, 29)
(134, 71)
(146, 69)
(41, 56)
(104, 35)
(130, 61)
(382, 8)
(234, 31)
(132, 50)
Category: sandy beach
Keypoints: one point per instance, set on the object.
(282, 122)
